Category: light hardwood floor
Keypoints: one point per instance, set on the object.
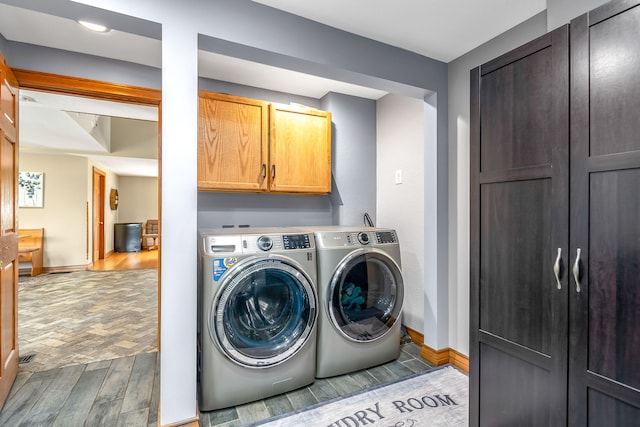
(127, 261)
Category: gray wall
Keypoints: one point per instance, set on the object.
(353, 157)
(459, 95)
(255, 92)
(56, 61)
(560, 12)
(262, 210)
(353, 169)
(249, 31)
(3, 45)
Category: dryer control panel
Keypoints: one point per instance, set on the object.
(377, 237)
(365, 237)
(386, 237)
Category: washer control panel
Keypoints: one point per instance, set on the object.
(296, 241)
(259, 243)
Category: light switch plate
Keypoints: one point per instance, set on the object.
(399, 176)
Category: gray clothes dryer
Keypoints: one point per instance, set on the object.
(257, 315)
(360, 291)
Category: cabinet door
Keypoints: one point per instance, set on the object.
(519, 229)
(605, 217)
(232, 143)
(300, 150)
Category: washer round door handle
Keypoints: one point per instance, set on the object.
(264, 243)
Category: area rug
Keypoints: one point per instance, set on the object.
(434, 398)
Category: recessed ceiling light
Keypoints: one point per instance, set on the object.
(94, 27)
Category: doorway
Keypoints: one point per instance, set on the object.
(99, 178)
(96, 207)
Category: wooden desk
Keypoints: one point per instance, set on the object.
(30, 249)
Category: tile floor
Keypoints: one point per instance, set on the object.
(88, 316)
(95, 362)
(94, 352)
(321, 390)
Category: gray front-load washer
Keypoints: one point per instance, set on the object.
(257, 315)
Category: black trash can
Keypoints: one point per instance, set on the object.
(127, 237)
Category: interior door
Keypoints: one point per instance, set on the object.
(8, 230)
(98, 213)
(519, 231)
(605, 224)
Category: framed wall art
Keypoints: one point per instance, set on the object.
(30, 189)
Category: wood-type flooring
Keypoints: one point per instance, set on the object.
(321, 390)
(127, 261)
(88, 343)
(114, 381)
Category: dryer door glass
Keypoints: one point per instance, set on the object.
(365, 296)
(265, 313)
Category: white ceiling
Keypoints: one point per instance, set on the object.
(47, 127)
(225, 68)
(29, 26)
(442, 30)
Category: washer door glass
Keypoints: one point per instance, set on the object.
(365, 295)
(265, 312)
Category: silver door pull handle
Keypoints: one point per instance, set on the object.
(8, 118)
(11, 88)
(576, 270)
(556, 268)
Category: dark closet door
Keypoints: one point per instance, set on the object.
(519, 229)
(605, 217)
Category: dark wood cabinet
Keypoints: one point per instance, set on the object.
(519, 199)
(555, 227)
(604, 368)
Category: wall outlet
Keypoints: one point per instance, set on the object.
(399, 176)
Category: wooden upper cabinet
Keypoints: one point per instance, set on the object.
(251, 145)
(232, 143)
(300, 148)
